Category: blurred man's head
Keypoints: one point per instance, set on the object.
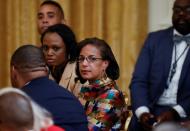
(181, 16)
(27, 63)
(15, 111)
(18, 112)
(49, 13)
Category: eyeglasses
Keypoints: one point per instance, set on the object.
(180, 9)
(90, 59)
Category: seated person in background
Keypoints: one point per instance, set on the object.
(59, 48)
(49, 13)
(102, 99)
(30, 73)
(160, 86)
(19, 113)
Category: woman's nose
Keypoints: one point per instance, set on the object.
(49, 52)
(85, 62)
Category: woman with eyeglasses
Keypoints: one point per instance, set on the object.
(59, 47)
(97, 69)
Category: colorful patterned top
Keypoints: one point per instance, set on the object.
(104, 105)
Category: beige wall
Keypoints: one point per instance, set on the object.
(160, 13)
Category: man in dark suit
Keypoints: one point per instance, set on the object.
(29, 72)
(160, 87)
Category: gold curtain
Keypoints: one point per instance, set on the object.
(122, 23)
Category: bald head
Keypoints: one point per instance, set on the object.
(15, 112)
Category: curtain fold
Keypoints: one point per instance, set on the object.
(122, 23)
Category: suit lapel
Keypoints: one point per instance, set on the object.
(185, 67)
(168, 58)
(168, 44)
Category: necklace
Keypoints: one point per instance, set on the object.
(176, 59)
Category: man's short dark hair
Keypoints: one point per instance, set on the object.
(28, 57)
(56, 4)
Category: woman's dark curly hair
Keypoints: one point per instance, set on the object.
(106, 53)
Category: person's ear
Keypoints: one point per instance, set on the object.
(105, 64)
(13, 73)
(13, 70)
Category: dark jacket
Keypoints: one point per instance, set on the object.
(152, 69)
(66, 109)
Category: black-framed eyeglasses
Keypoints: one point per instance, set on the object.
(181, 9)
(90, 59)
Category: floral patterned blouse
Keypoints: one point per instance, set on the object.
(104, 105)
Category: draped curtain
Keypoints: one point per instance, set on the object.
(122, 23)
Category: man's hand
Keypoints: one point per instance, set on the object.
(186, 124)
(145, 120)
(170, 115)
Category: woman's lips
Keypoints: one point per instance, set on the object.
(85, 71)
(50, 61)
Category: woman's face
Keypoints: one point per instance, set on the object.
(54, 49)
(91, 65)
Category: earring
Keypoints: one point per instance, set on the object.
(104, 76)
